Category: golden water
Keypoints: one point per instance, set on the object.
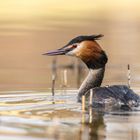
(39, 116)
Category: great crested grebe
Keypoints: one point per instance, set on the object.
(89, 51)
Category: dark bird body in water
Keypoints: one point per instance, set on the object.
(89, 51)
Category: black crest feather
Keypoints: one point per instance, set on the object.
(83, 38)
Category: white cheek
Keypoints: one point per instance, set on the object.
(71, 53)
(78, 48)
(74, 51)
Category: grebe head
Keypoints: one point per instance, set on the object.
(85, 48)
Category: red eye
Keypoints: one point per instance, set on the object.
(74, 45)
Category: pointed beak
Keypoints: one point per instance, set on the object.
(61, 51)
(56, 52)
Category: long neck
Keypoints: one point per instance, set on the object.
(94, 79)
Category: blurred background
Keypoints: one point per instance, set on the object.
(29, 28)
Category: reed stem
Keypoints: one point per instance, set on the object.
(83, 103)
(129, 75)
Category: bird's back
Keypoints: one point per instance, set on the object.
(116, 95)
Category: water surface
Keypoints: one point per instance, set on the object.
(39, 116)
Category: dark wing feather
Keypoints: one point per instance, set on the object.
(118, 93)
